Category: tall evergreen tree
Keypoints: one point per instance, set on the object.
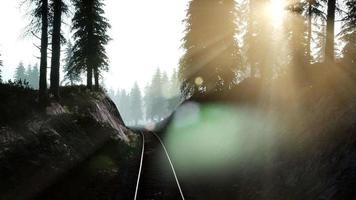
(34, 76)
(296, 25)
(330, 32)
(40, 16)
(174, 84)
(90, 36)
(28, 72)
(313, 8)
(72, 76)
(212, 54)
(59, 7)
(174, 92)
(147, 102)
(165, 84)
(157, 100)
(20, 73)
(1, 69)
(136, 104)
(348, 34)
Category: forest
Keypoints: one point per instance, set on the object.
(265, 39)
(158, 100)
(261, 104)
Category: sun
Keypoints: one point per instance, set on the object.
(275, 9)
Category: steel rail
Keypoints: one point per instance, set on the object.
(170, 162)
(140, 169)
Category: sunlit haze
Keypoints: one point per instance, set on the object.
(276, 10)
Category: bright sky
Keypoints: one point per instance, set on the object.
(146, 35)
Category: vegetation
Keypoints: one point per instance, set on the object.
(87, 54)
(212, 57)
(58, 7)
(157, 101)
(348, 35)
(265, 98)
(27, 75)
(20, 72)
(70, 76)
(271, 43)
(39, 23)
(0, 70)
(90, 38)
(135, 104)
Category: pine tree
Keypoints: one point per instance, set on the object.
(158, 104)
(136, 104)
(40, 16)
(174, 92)
(35, 74)
(59, 8)
(72, 76)
(212, 55)
(348, 34)
(20, 73)
(174, 84)
(90, 36)
(313, 9)
(297, 31)
(330, 32)
(0, 69)
(28, 77)
(165, 84)
(147, 99)
(123, 105)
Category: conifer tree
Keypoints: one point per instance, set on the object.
(40, 16)
(58, 7)
(71, 75)
(330, 32)
(174, 92)
(20, 73)
(174, 84)
(147, 99)
(157, 100)
(35, 74)
(348, 34)
(90, 38)
(0, 69)
(212, 55)
(136, 104)
(28, 72)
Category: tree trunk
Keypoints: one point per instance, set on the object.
(89, 77)
(96, 77)
(44, 46)
(330, 34)
(310, 15)
(56, 47)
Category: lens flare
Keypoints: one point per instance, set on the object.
(199, 81)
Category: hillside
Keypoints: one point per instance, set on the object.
(273, 141)
(69, 144)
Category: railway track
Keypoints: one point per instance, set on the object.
(156, 178)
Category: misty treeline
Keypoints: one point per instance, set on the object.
(227, 41)
(87, 54)
(28, 76)
(156, 101)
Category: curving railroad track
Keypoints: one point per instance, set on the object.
(156, 178)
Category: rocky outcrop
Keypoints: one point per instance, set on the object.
(38, 146)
